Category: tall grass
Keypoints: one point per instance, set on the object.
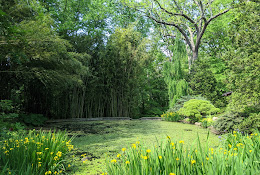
(237, 154)
(35, 153)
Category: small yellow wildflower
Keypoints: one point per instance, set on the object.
(123, 149)
(181, 141)
(113, 161)
(177, 159)
(148, 151)
(46, 148)
(172, 144)
(193, 161)
(229, 145)
(127, 162)
(207, 158)
(250, 151)
(137, 142)
(172, 174)
(234, 132)
(145, 157)
(134, 146)
(69, 165)
(59, 154)
(235, 149)
(119, 155)
(168, 137)
(160, 157)
(38, 153)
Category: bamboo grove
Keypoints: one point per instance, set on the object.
(70, 74)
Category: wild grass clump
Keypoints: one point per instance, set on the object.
(35, 153)
(237, 154)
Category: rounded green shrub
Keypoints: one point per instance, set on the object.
(195, 109)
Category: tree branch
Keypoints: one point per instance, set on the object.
(174, 25)
(217, 15)
(205, 26)
(178, 14)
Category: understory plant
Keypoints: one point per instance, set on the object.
(34, 153)
(237, 154)
(172, 116)
(206, 122)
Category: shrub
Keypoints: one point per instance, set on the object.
(195, 109)
(206, 122)
(8, 119)
(180, 102)
(6, 106)
(250, 124)
(228, 122)
(35, 153)
(172, 116)
(237, 154)
(33, 119)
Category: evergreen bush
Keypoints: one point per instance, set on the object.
(195, 109)
(228, 122)
(250, 124)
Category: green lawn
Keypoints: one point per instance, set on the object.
(106, 138)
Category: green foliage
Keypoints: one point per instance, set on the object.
(206, 122)
(228, 122)
(6, 106)
(173, 73)
(243, 57)
(172, 116)
(33, 119)
(195, 109)
(8, 119)
(237, 154)
(250, 124)
(202, 81)
(35, 153)
(180, 102)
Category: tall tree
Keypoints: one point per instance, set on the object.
(243, 57)
(190, 18)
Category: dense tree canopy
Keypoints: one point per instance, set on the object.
(117, 58)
